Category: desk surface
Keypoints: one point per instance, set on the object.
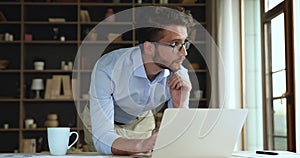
(240, 154)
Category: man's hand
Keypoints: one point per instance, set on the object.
(180, 88)
(122, 146)
(147, 145)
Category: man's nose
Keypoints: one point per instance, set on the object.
(183, 51)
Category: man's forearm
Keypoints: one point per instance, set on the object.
(123, 146)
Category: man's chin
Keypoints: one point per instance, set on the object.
(176, 66)
(162, 66)
(174, 69)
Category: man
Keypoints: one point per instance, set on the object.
(126, 84)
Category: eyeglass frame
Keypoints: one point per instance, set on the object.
(186, 45)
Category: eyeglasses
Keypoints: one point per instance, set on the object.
(176, 45)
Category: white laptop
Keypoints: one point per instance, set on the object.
(198, 132)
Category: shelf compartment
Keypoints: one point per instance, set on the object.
(200, 104)
(195, 55)
(66, 112)
(29, 95)
(40, 137)
(102, 32)
(9, 141)
(7, 117)
(40, 12)
(11, 51)
(11, 11)
(51, 54)
(121, 13)
(10, 85)
(13, 29)
(90, 53)
(46, 32)
(200, 11)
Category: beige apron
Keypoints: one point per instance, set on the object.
(139, 128)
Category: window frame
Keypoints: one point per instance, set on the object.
(285, 7)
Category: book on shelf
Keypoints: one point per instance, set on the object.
(85, 16)
(75, 89)
(56, 19)
(48, 89)
(58, 87)
(66, 85)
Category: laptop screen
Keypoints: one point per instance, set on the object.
(199, 132)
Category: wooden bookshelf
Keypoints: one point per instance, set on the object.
(31, 17)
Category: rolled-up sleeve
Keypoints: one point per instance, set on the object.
(102, 110)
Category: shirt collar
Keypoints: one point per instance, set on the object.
(138, 65)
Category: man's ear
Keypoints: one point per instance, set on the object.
(149, 48)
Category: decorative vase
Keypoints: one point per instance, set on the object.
(110, 15)
(51, 121)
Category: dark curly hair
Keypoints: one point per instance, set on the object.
(151, 21)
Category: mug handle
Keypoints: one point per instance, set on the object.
(74, 140)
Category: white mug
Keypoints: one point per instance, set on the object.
(58, 140)
(39, 65)
(28, 122)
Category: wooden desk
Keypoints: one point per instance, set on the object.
(240, 154)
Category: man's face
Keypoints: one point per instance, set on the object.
(166, 56)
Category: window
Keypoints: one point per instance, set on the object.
(269, 4)
(278, 75)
